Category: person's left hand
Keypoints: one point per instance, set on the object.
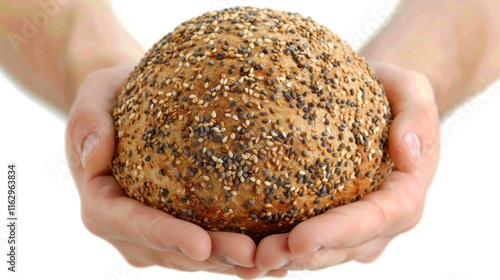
(361, 230)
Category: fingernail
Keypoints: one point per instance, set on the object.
(317, 249)
(230, 260)
(181, 251)
(414, 145)
(89, 146)
(283, 263)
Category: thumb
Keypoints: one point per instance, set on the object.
(90, 135)
(415, 128)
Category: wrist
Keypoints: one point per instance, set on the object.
(98, 41)
(433, 38)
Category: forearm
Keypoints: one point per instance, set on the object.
(454, 43)
(49, 47)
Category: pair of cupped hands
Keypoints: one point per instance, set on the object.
(359, 231)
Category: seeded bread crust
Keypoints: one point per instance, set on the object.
(251, 120)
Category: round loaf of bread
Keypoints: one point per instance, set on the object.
(251, 120)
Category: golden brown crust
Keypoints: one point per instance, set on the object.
(251, 120)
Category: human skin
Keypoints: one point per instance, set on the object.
(447, 51)
(93, 51)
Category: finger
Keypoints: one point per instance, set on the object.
(414, 131)
(90, 131)
(232, 249)
(254, 272)
(108, 213)
(273, 252)
(140, 256)
(278, 273)
(395, 207)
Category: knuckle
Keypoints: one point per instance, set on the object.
(311, 263)
(95, 75)
(418, 76)
(419, 80)
(153, 236)
(323, 259)
(178, 263)
(78, 125)
(150, 234)
(383, 218)
(431, 137)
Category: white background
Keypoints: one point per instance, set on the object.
(457, 239)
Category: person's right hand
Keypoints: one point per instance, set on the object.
(361, 230)
(144, 236)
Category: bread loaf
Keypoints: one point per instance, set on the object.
(251, 120)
